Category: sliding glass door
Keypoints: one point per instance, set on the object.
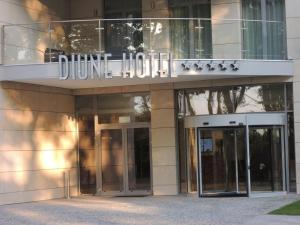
(236, 154)
(266, 159)
(223, 161)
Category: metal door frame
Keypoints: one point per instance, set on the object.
(246, 120)
(123, 127)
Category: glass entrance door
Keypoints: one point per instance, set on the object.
(138, 160)
(112, 160)
(124, 161)
(239, 153)
(266, 158)
(222, 161)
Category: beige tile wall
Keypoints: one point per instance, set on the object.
(37, 142)
(164, 160)
(226, 33)
(293, 40)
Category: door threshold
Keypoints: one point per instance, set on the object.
(224, 195)
(124, 194)
(267, 194)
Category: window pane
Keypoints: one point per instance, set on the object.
(275, 30)
(289, 96)
(252, 31)
(124, 108)
(292, 161)
(260, 98)
(85, 104)
(238, 99)
(210, 101)
(264, 38)
(202, 31)
(180, 33)
(121, 35)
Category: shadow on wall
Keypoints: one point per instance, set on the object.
(37, 143)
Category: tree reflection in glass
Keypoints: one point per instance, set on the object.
(238, 99)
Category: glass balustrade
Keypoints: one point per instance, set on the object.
(191, 38)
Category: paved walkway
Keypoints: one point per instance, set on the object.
(148, 210)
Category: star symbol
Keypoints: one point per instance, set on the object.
(211, 66)
(235, 66)
(186, 66)
(223, 66)
(199, 66)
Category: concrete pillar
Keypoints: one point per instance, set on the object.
(164, 160)
(293, 42)
(226, 35)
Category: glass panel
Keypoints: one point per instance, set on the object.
(87, 155)
(266, 159)
(292, 161)
(238, 99)
(122, 7)
(85, 104)
(252, 30)
(138, 153)
(203, 31)
(112, 160)
(264, 39)
(289, 96)
(192, 159)
(222, 156)
(124, 108)
(123, 36)
(180, 33)
(26, 44)
(276, 29)
(259, 98)
(241, 157)
(210, 101)
(74, 37)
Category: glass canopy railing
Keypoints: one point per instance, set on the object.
(185, 38)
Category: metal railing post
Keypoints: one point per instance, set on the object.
(67, 184)
(150, 44)
(50, 42)
(2, 45)
(99, 36)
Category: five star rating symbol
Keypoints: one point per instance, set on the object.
(211, 66)
(235, 66)
(199, 65)
(223, 66)
(186, 66)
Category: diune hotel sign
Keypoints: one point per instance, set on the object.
(140, 65)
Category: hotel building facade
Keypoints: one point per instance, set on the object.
(149, 97)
